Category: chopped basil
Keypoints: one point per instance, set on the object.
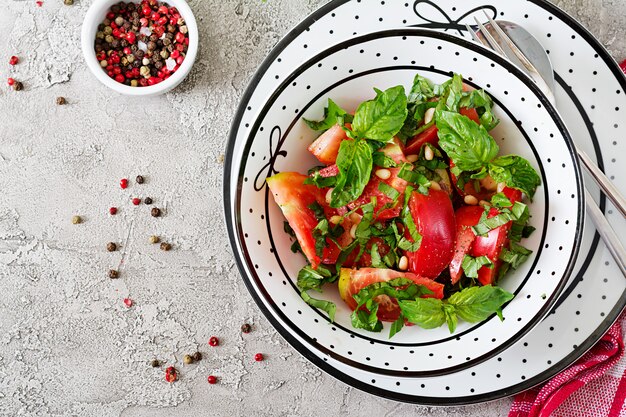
(381, 118)
(354, 162)
(329, 307)
(480, 100)
(396, 326)
(316, 179)
(333, 114)
(421, 90)
(471, 265)
(382, 160)
(362, 319)
(516, 172)
(314, 279)
(425, 312)
(500, 200)
(515, 255)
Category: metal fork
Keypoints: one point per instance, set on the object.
(493, 41)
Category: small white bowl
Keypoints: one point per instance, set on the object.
(97, 13)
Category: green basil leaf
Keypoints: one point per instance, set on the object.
(520, 213)
(316, 179)
(388, 190)
(362, 319)
(414, 177)
(427, 313)
(377, 262)
(409, 223)
(396, 326)
(317, 210)
(331, 115)
(450, 94)
(449, 312)
(500, 200)
(515, 255)
(480, 100)
(486, 224)
(329, 307)
(421, 90)
(471, 265)
(475, 304)
(383, 117)
(313, 279)
(382, 160)
(516, 172)
(468, 144)
(355, 166)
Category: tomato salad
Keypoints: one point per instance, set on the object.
(413, 214)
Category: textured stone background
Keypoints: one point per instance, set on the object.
(68, 345)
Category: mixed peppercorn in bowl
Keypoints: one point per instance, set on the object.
(140, 48)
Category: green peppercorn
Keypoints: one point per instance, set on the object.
(111, 247)
(107, 30)
(154, 239)
(187, 359)
(119, 20)
(77, 220)
(104, 63)
(165, 246)
(134, 83)
(197, 356)
(109, 38)
(100, 35)
(68, 2)
(144, 71)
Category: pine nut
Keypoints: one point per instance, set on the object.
(412, 158)
(488, 183)
(353, 231)
(470, 200)
(329, 195)
(501, 186)
(435, 185)
(355, 218)
(428, 153)
(484, 203)
(403, 263)
(383, 174)
(336, 219)
(428, 116)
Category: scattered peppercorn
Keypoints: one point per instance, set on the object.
(165, 246)
(171, 374)
(111, 247)
(14, 60)
(154, 239)
(124, 183)
(39, 3)
(113, 274)
(213, 341)
(128, 302)
(246, 328)
(155, 363)
(77, 219)
(197, 357)
(155, 212)
(139, 179)
(61, 101)
(113, 211)
(212, 379)
(18, 86)
(136, 201)
(10, 81)
(147, 200)
(187, 359)
(258, 357)
(68, 2)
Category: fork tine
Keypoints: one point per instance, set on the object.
(492, 42)
(475, 36)
(519, 54)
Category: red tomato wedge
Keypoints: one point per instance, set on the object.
(326, 147)
(466, 217)
(492, 244)
(427, 136)
(351, 281)
(486, 187)
(394, 151)
(294, 198)
(434, 219)
(471, 113)
(372, 190)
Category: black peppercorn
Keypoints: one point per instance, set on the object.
(151, 46)
(111, 247)
(115, 8)
(158, 65)
(155, 363)
(155, 212)
(197, 356)
(115, 43)
(147, 200)
(131, 7)
(113, 274)
(165, 246)
(246, 328)
(61, 101)
(139, 179)
(18, 86)
(154, 37)
(100, 27)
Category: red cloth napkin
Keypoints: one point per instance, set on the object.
(595, 386)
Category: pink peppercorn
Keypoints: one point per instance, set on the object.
(124, 183)
(128, 302)
(14, 60)
(10, 81)
(213, 341)
(136, 201)
(258, 357)
(113, 211)
(212, 379)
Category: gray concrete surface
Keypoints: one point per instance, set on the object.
(68, 345)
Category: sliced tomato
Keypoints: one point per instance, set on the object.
(372, 190)
(433, 215)
(482, 189)
(329, 171)
(351, 281)
(427, 136)
(294, 198)
(492, 244)
(394, 151)
(471, 113)
(326, 147)
(466, 217)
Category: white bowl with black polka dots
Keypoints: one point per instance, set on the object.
(347, 72)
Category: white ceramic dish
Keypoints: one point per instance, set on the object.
(96, 14)
(590, 90)
(347, 72)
